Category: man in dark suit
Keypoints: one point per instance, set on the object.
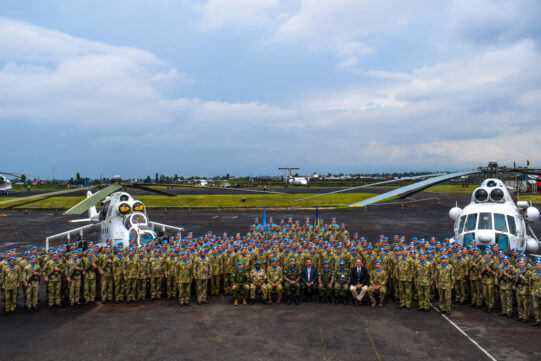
(359, 281)
(309, 279)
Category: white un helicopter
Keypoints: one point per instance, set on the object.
(492, 216)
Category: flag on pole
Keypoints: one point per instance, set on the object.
(264, 219)
(528, 163)
(317, 216)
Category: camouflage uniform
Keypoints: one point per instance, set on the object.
(523, 294)
(32, 290)
(155, 270)
(217, 270)
(142, 264)
(341, 283)
(184, 279)
(325, 283)
(118, 276)
(505, 283)
(10, 281)
(228, 264)
(535, 288)
(240, 279)
(54, 274)
(171, 273)
(274, 275)
(90, 277)
(292, 274)
(475, 282)
(202, 269)
(257, 279)
(377, 278)
(105, 263)
(461, 267)
(405, 276)
(423, 280)
(130, 271)
(488, 277)
(74, 271)
(445, 281)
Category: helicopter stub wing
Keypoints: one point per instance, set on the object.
(165, 227)
(91, 201)
(79, 231)
(412, 187)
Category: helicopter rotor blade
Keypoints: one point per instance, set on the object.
(83, 206)
(152, 190)
(422, 184)
(39, 197)
(370, 185)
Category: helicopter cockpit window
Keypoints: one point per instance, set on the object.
(138, 219)
(124, 198)
(499, 222)
(103, 210)
(491, 184)
(485, 220)
(471, 222)
(512, 225)
(461, 225)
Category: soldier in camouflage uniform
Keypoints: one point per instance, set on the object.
(228, 264)
(507, 276)
(142, 265)
(475, 280)
(184, 279)
(274, 278)
(90, 267)
(535, 289)
(202, 271)
(378, 280)
(488, 269)
(105, 262)
(341, 284)
(405, 278)
(292, 276)
(217, 271)
(74, 272)
(53, 277)
(423, 282)
(31, 276)
(445, 281)
(130, 271)
(522, 291)
(10, 281)
(258, 277)
(156, 275)
(240, 281)
(118, 276)
(170, 275)
(326, 283)
(460, 267)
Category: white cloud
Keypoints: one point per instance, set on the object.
(215, 14)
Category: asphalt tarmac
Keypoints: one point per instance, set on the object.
(163, 330)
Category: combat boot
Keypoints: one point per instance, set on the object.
(244, 301)
(288, 300)
(252, 301)
(236, 303)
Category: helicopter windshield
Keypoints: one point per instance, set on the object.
(471, 222)
(485, 220)
(499, 222)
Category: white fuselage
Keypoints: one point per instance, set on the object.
(5, 185)
(298, 181)
(492, 220)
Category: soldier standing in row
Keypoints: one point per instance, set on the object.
(74, 271)
(521, 288)
(445, 281)
(184, 279)
(106, 271)
(31, 277)
(90, 264)
(202, 270)
(423, 282)
(156, 275)
(118, 276)
(53, 278)
(507, 277)
(10, 281)
(535, 288)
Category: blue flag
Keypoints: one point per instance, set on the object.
(317, 216)
(264, 220)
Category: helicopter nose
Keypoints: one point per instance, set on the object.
(484, 237)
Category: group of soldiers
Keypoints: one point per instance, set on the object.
(267, 260)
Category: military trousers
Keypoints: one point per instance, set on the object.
(381, 294)
(476, 292)
(488, 294)
(278, 290)
(215, 285)
(506, 299)
(240, 288)
(537, 308)
(254, 287)
(171, 286)
(32, 295)
(201, 286)
(90, 290)
(405, 293)
(120, 291)
(131, 289)
(445, 298)
(460, 291)
(291, 289)
(106, 288)
(423, 294)
(227, 283)
(155, 287)
(10, 299)
(74, 291)
(53, 293)
(340, 289)
(184, 292)
(523, 306)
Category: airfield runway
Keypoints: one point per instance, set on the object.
(162, 330)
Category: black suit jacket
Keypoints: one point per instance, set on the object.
(313, 275)
(356, 279)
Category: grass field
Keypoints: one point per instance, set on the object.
(221, 200)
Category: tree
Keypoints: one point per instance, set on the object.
(23, 178)
(148, 179)
(157, 179)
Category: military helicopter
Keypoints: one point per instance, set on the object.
(5, 184)
(493, 216)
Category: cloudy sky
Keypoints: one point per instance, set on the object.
(133, 87)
